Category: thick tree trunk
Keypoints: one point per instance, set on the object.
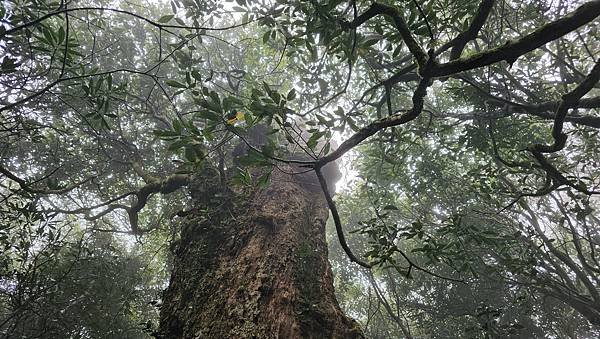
(254, 265)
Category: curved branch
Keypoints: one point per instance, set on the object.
(463, 38)
(166, 186)
(418, 100)
(569, 100)
(121, 11)
(381, 9)
(26, 186)
(87, 210)
(338, 222)
(542, 110)
(514, 49)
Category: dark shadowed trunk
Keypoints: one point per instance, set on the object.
(253, 264)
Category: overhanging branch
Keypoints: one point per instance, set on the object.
(120, 11)
(418, 100)
(569, 101)
(544, 110)
(27, 186)
(168, 185)
(480, 18)
(338, 222)
(512, 50)
(401, 25)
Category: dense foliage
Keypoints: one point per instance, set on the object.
(467, 132)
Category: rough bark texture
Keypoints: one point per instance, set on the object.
(253, 264)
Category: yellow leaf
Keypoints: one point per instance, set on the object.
(238, 117)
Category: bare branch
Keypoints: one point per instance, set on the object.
(26, 186)
(338, 222)
(121, 11)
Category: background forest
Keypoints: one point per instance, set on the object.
(466, 133)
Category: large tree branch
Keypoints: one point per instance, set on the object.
(165, 186)
(111, 205)
(545, 111)
(569, 100)
(380, 9)
(364, 133)
(457, 44)
(514, 49)
(560, 255)
(418, 100)
(471, 33)
(542, 110)
(587, 309)
(168, 185)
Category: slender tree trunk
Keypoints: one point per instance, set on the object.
(254, 265)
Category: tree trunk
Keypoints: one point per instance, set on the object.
(253, 264)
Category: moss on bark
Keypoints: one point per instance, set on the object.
(253, 264)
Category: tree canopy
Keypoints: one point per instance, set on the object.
(467, 132)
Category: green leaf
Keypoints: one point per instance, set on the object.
(264, 180)
(326, 148)
(196, 75)
(250, 120)
(314, 139)
(397, 50)
(291, 95)
(177, 126)
(175, 83)
(371, 41)
(190, 153)
(465, 24)
(48, 35)
(177, 145)
(106, 102)
(61, 34)
(254, 158)
(8, 64)
(242, 177)
(192, 127)
(165, 134)
(266, 36)
(165, 18)
(215, 103)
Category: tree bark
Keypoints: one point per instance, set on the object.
(253, 264)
